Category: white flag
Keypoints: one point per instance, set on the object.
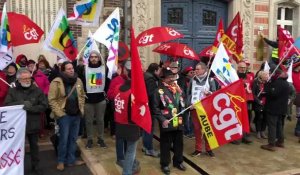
(289, 72)
(108, 34)
(12, 139)
(222, 68)
(6, 59)
(266, 67)
(90, 45)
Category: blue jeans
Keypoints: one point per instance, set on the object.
(188, 123)
(68, 133)
(120, 148)
(128, 165)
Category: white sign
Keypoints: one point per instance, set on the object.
(12, 138)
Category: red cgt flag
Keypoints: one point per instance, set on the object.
(157, 35)
(23, 30)
(235, 33)
(223, 115)
(286, 47)
(219, 35)
(140, 113)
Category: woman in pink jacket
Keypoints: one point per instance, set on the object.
(41, 80)
(39, 77)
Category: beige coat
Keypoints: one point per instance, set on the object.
(57, 97)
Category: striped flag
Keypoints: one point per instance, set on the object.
(87, 13)
(5, 38)
(60, 39)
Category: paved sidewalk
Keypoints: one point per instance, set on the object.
(230, 159)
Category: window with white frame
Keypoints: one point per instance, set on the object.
(285, 15)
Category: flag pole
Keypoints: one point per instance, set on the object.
(272, 75)
(181, 112)
(6, 82)
(209, 71)
(81, 50)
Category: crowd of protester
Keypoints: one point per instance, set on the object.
(62, 95)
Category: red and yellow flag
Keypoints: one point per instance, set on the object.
(223, 115)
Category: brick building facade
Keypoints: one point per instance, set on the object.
(258, 16)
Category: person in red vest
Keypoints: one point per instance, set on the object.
(126, 130)
(248, 83)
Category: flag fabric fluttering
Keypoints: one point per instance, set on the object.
(60, 39)
(6, 58)
(5, 38)
(87, 13)
(222, 67)
(89, 46)
(108, 34)
(23, 30)
(286, 47)
(223, 115)
(233, 38)
(290, 72)
(140, 113)
(267, 67)
(218, 37)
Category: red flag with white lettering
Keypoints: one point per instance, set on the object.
(157, 35)
(235, 33)
(218, 37)
(23, 30)
(140, 113)
(223, 115)
(286, 47)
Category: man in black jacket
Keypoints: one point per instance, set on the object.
(277, 95)
(166, 103)
(35, 102)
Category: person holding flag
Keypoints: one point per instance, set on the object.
(126, 130)
(200, 87)
(277, 95)
(166, 102)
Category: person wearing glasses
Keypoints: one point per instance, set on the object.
(35, 102)
(248, 79)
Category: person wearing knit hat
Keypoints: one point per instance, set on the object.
(93, 77)
(21, 60)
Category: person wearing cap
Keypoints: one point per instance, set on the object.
(126, 131)
(21, 61)
(93, 77)
(277, 95)
(167, 101)
(200, 87)
(35, 102)
(184, 82)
